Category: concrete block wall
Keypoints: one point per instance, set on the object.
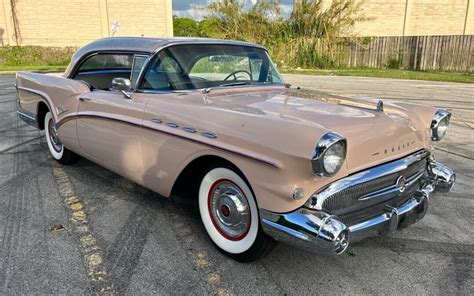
(417, 18)
(76, 22)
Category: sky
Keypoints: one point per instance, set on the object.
(188, 8)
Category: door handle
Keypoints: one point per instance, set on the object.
(84, 99)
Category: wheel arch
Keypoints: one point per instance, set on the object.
(189, 179)
(42, 110)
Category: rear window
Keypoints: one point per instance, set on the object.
(107, 62)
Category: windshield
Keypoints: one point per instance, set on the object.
(196, 66)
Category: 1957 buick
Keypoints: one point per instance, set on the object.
(214, 120)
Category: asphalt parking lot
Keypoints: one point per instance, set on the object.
(82, 229)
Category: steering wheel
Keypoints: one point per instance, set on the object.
(235, 74)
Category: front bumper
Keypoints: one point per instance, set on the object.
(320, 232)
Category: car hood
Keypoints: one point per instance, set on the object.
(292, 121)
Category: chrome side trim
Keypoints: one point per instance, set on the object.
(189, 129)
(172, 124)
(29, 119)
(146, 125)
(210, 135)
(316, 201)
(25, 115)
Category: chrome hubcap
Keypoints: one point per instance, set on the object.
(53, 136)
(229, 209)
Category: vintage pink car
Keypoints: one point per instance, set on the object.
(213, 120)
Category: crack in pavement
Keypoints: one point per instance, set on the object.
(453, 153)
(20, 144)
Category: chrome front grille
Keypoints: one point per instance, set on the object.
(349, 207)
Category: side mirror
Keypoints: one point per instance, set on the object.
(123, 85)
(120, 84)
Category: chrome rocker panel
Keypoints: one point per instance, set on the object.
(319, 232)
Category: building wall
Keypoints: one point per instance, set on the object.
(417, 18)
(76, 22)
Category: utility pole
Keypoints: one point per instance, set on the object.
(405, 19)
(466, 18)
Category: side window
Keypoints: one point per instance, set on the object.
(99, 70)
(107, 62)
(138, 62)
(164, 73)
(255, 66)
(168, 65)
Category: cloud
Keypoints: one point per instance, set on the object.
(190, 8)
(184, 5)
(286, 9)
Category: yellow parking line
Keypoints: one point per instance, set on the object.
(92, 254)
(201, 258)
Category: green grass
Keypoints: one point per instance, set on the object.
(390, 73)
(46, 68)
(34, 58)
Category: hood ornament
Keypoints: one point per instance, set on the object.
(380, 106)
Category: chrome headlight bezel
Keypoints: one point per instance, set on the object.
(440, 117)
(324, 144)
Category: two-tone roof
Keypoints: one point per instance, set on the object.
(143, 45)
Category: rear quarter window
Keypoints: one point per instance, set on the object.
(107, 62)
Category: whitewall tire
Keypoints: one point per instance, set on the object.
(229, 213)
(56, 148)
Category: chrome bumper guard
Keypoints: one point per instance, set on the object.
(319, 232)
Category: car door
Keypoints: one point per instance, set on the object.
(109, 130)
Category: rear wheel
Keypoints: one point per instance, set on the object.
(230, 215)
(56, 148)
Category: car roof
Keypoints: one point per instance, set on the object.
(150, 45)
(144, 45)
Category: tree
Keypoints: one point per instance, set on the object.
(233, 21)
(185, 27)
(311, 18)
(308, 38)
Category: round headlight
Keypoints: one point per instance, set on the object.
(333, 158)
(443, 127)
(329, 154)
(439, 124)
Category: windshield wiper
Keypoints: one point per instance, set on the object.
(207, 90)
(235, 83)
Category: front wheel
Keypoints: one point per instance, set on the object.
(230, 215)
(56, 148)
